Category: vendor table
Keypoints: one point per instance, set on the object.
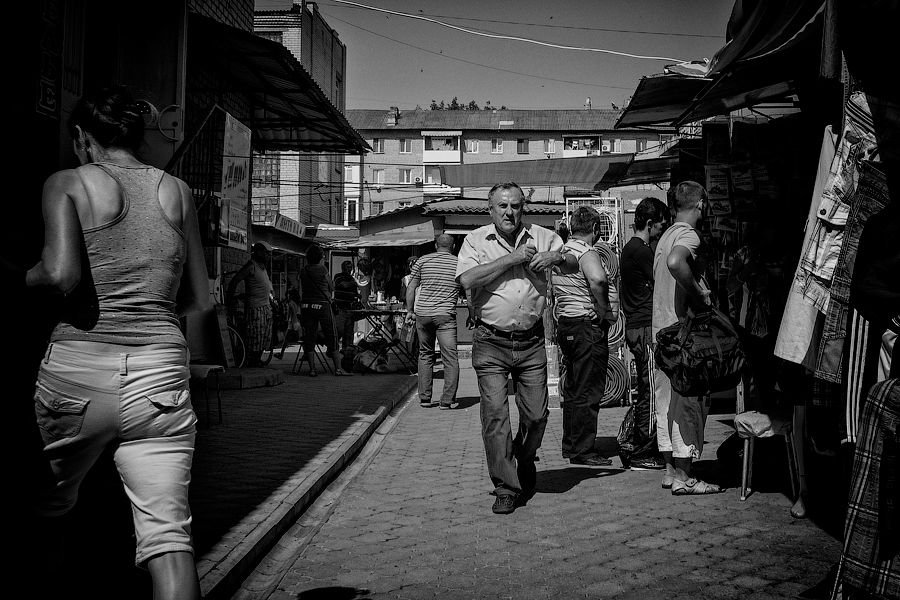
(375, 318)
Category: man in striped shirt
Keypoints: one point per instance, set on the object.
(434, 310)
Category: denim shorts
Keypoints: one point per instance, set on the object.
(90, 396)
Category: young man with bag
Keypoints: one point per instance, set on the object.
(678, 267)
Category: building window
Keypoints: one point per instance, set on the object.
(378, 176)
(640, 145)
(405, 175)
(550, 146)
(521, 146)
(442, 143)
(377, 208)
(405, 203)
(351, 210)
(433, 175)
(378, 146)
(589, 143)
(405, 146)
(496, 146)
(266, 169)
(616, 146)
(348, 174)
(472, 146)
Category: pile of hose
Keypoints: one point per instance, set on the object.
(616, 382)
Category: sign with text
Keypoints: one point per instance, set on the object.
(235, 184)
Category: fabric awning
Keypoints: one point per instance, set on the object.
(651, 170)
(592, 172)
(770, 46)
(291, 112)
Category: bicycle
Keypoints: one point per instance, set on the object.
(237, 326)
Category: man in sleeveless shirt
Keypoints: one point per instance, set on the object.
(258, 307)
(582, 301)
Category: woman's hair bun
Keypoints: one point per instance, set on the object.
(112, 116)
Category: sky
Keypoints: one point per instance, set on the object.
(399, 61)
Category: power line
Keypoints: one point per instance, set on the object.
(569, 27)
(510, 37)
(468, 62)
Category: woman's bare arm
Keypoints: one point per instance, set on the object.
(193, 292)
(59, 270)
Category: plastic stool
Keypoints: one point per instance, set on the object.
(203, 372)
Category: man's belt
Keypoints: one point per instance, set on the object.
(524, 334)
(597, 322)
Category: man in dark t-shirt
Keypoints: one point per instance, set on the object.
(636, 300)
(346, 295)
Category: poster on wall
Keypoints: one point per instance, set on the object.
(716, 143)
(235, 184)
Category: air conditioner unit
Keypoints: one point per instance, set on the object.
(605, 147)
(418, 181)
(377, 187)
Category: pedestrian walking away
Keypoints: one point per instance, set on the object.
(582, 303)
(505, 266)
(678, 267)
(651, 217)
(431, 294)
(123, 243)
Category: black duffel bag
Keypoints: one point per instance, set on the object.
(701, 353)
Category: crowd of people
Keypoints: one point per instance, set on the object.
(123, 244)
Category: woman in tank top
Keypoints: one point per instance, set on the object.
(123, 244)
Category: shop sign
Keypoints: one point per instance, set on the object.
(235, 184)
(290, 226)
(47, 100)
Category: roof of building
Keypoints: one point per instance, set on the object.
(479, 206)
(493, 120)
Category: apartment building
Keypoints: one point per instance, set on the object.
(303, 186)
(410, 146)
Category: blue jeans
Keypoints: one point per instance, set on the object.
(444, 329)
(585, 356)
(495, 359)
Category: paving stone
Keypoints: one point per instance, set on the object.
(416, 524)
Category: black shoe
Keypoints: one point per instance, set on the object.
(450, 406)
(591, 461)
(504, 504)
(427, 404)
(647, 464)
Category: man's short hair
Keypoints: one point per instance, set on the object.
(650, 210)
(347, 263)
(686, 195)
(444, 240)
(507, 185)
(582, 220)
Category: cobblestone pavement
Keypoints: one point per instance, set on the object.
(416, 523)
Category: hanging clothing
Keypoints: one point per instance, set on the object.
(797, 335)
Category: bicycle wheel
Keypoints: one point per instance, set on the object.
(238, 349)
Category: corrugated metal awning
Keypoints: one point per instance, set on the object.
(375, 241)
(291, 112)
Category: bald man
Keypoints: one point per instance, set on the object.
(434, 311)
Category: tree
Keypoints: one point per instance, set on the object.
(455, 104)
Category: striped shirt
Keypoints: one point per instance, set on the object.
(572, 292)
(438, 291)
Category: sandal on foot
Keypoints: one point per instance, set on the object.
(694, 486)
(798, 511)
(667, 482)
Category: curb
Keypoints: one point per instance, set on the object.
(222, 570)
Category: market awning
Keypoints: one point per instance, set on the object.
(770, 46)
(651, 170)
(410, 235)
(593, 172)
(291, 112)
(661, 99)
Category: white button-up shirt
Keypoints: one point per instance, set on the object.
(514, 301)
